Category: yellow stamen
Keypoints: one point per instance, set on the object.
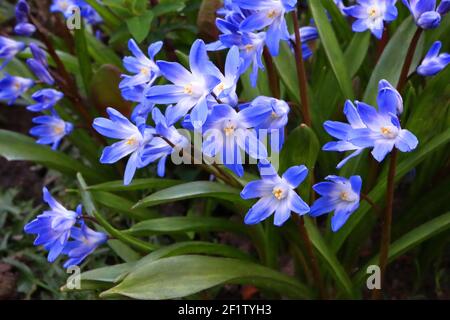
(188, 89)
(277, 193)
(249, 47)
(229, 130)
(272, 14)
(344, 196)
(220, 88)
(373, 12)
(385, 131)
(131, 141)
(145, 71)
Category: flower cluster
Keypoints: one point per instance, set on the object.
(50, 129)
(251, 25)
(425, 13)
(58, 233)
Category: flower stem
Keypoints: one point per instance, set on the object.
(301, 72)
(274, 81)
(312, 257)
(387, 222)
(387, 219)
(408, 60)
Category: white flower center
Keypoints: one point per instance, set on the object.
(279, 192)
(347, 196)
(229, 127)
(58, 129)
(389, 132)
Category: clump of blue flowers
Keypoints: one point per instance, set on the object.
(56, 227)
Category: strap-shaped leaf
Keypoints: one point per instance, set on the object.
(136, 184)
(15, 146)
(181, 276)
(409, 241)
(332, 49)
(190, 190)
(171, 225)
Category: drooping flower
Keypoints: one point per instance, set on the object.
(50, 129)
(134, 138)
(53, 227)
(433, 63)
(340, 131)
(271, 14)
(12, 87)
(23, 27)
(8, 49)
(144, 69)
(425, 13)
(39, 65)
(277, 194)
(46, 99)
(228, 132)
(443, 7)
(383, 132)
(168, 140)
(85, 241)
(340, 195)
(371, 14)
(275, 121)
(190, 89)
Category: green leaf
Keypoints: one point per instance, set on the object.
(82, 54)
(180, 276)
(122, 205)
(139, 26)
(390, 64)
(337, 270)
(356, 52)
(170, 225)
(409, 241)
(168, 6)
(101, 53)
(136, 184)
(332, 48)
(415, 158)
(301, 148)
(15, 146)
(190, 190)
(285, 64)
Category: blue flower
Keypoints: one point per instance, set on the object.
(341, 131)
(23, 27)
(443, 7)
(433, 62)
(307, 34)
(277, 194)
(226, 89)
(39, 65)
(8, 49)
(275, 121)
(383, 132)
(340, 4)
(189, 89)
(89, 13)
(425, 13)
(340, 195)
(251, 52)
(85, 241)
(371, 14)
(168, 140)
(64, 6)
(227, 132)
(50, 130)
(46, 99)
(134, 138)
(12, 87)
(144, 69)
(53, 227)
(268, 13)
